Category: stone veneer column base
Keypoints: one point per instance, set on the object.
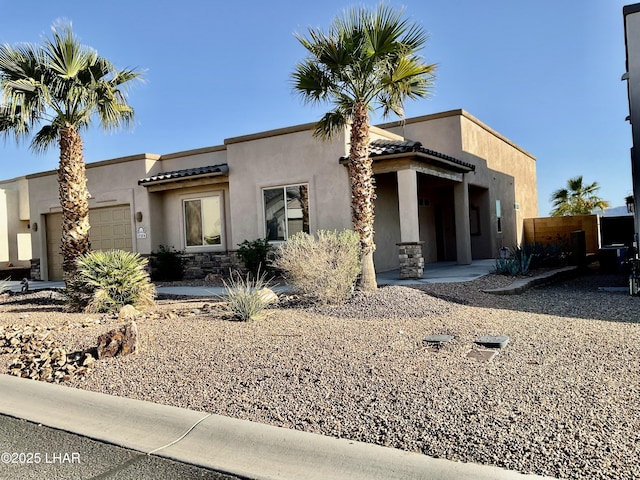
(35, 269)
(411, 261)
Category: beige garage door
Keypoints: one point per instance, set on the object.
(110, 229)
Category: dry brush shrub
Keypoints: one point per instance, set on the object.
(324, 267)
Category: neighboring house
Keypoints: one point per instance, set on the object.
(631, 14)
(445, 179)
(15, 238)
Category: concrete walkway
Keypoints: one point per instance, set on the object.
(441, 272)
(227, 445)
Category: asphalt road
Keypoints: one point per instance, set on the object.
(32, 451)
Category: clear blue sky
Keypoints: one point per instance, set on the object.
(544, 73)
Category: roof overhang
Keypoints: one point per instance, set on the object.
(391, 155)
(186, 178)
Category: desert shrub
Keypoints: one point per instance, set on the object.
(325, 268)
(518, 262)
(255, 256)
(108, 280)
(553, 254)
(246, 298)
(167, 264)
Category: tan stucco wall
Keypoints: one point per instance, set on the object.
(115, 182)
(286, 157)
(293, 156)
(508, 171)
(192, 158)
(387, 223)
(15, 245)
(173, 215)
(110, 183)
(440, 132)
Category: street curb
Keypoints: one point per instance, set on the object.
(227, 445)
(523, 284)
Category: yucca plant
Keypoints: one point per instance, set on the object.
(4, 284)
(247, 297)
(110, 279)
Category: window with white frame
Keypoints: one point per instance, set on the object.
(202, 221)
(498, 216)
(286, 211)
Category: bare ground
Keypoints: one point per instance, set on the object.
(561, 399)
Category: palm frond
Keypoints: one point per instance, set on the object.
(331, 123)
(61, 82)
(366, 57)
(66, 55)
(47, 136)
(577, 198)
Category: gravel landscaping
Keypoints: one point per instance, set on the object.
(562, 399)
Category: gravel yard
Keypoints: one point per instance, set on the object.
(562, 399)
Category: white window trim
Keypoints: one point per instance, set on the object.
(264, 220)
(183, 223)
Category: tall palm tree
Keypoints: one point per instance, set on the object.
(366, 60)
(577, 199)
(52, 92)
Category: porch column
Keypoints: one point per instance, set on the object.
(408, 205)
(463, 230)
(410, 246)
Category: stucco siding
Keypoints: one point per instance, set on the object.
(386, 223)
(110, 183)
(192, 159)
(288, 159)
(511, 174)
(439, 132)
(15, 245)
(173, 233)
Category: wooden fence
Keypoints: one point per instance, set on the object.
(551, 230)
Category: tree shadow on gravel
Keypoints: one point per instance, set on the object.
(581, 296)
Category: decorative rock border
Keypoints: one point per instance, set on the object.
(523, 284)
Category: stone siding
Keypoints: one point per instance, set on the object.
(36, 273)
(411, 260)
(198, 265)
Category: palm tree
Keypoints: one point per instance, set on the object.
(57, 89)
(577, 199)
(366, 60)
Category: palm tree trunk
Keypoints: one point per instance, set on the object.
(363, 193)
(74, 200)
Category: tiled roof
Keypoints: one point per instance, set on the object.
(208, 171)
(380, 148)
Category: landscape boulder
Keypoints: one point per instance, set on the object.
(119, 341)
(268, 296)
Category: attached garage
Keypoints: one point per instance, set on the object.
(110, 229)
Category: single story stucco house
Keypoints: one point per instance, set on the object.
(446, 183)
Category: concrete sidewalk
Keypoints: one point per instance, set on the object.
(441, 272)
(227, 445)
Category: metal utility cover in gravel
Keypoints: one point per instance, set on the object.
(482, 355)
(439, 338)
(490, 341)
